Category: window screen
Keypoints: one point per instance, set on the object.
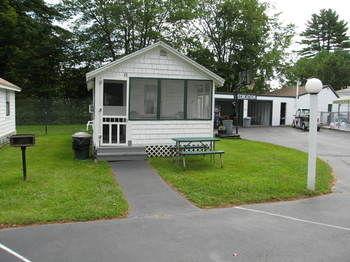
(199, 95)
(113, 93)
(172, 99)
(143, 98)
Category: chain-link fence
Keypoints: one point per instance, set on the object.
(336, 120)
(53, 111)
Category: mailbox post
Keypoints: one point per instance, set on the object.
(23, 141)
(24, 162)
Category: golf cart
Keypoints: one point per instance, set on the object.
(301, 120)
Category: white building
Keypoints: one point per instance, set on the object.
(276, 108)
(145, 99)
(7, 109)
(325, 99)
(344, 92)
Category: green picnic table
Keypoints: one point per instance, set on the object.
(196, 146)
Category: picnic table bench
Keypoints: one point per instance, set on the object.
(205, 146)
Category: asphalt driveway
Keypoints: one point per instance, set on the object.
(316, 229)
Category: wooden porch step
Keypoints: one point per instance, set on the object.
(120, 153)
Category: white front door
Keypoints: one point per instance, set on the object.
(114, 120)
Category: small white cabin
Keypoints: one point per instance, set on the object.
(146, 98)
(325, 99)
(7, 109)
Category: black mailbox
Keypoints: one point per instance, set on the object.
(22, 140)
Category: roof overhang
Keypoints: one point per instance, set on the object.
(342, 100)
(219, 81)
(12, 87)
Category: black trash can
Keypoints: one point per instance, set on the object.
(81, 145)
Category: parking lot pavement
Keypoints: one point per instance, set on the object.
(315, 229)
(330, 142)
(214, 235)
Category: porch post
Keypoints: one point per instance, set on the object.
(245, 108)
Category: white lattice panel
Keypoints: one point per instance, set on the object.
(166, 150)
(160, 150)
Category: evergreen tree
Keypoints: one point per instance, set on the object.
(324, 32)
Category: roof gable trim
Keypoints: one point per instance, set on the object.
(13, 88)
(220, 81)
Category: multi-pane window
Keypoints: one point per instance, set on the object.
(170, 99)
(7, 100)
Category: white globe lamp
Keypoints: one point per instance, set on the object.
(313, 87)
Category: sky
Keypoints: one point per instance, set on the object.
(299, 12)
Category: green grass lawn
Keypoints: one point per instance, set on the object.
(253, 172)
(58, 187)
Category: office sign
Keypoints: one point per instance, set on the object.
(246, 97)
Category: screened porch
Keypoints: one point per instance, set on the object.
(170, 99)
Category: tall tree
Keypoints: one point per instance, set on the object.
(110, 29)
(324, 32)
(32, 47)
(331, 67)
(236, 35)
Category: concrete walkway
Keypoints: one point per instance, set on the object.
(146, 192)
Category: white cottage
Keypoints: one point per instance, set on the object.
(7, 109)
(146, 98)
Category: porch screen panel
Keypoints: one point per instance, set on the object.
(143, 98)
(105, 131)
(172, 99)
(199, 97)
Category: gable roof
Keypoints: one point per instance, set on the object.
(9, 86)
(217, 79)
(287, 91)
(291, 91)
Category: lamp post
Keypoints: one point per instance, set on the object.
(244, 80)
(237, 87)
(313, 87)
